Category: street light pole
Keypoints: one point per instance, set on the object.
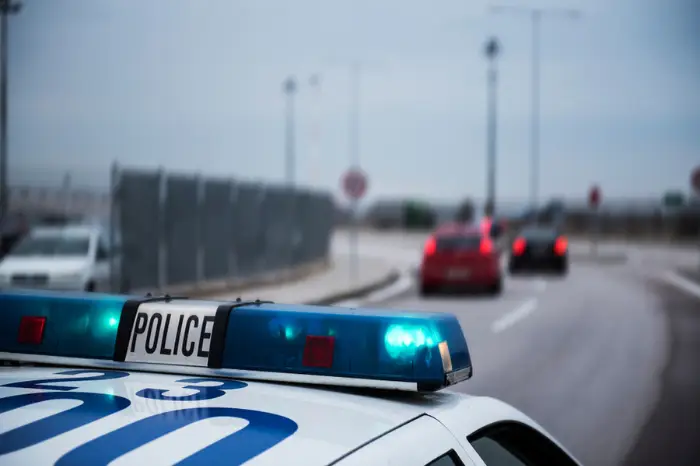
(535, 120)
(315, 152)
(7, 8)
(355, 70)
(535, 15)
(491, 51)
(290, 88)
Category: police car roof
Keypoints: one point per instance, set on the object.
(331, 422)
(241, 343)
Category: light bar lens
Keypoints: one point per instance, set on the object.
(371, 344)
(318, 351)
(76, 325)
(31, 330)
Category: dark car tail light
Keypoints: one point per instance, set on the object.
(519, 246)
(430, 246)
(560, 246)
(486, 246)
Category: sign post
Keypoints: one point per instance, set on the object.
(354, 186)
(673, 201)
(594, 203)
(695, 185)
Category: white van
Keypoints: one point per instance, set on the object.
(72, 257)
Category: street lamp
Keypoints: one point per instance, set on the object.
(355, 73)
(290, 88)
(491, 50)
(7, 8)
(535, 15)
(315, 140)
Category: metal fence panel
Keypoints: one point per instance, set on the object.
(248, 238)
(312, 236)
(321, 223)
(216, 229)
(289, 231)
(137, 199)
(327, 225)
(181, 228)
(304, 216)
(276, 214)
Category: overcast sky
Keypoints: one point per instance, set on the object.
(196, 86)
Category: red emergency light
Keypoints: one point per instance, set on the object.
(31, 330)
(318, 351)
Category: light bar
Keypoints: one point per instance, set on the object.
(76, 324)
(247, 340)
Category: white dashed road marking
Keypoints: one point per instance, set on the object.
(514, 316)
(683, 283)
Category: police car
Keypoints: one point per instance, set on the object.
(97, 379)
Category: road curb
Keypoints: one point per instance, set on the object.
(389, 279)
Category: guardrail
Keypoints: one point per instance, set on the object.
(681, 227)
(678, 227)
(186, 233)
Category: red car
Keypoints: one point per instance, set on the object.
(460, 256)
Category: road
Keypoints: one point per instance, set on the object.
(586, 356)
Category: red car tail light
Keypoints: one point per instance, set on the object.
(430, 246)
(518, 246)
(486, 246)
(560, 246)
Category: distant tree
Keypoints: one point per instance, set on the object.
(419, 215)
(465, 211)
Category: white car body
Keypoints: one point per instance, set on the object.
(91, 271)
(342, 427)
(128, 380)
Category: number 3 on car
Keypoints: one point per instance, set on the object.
(181, 335)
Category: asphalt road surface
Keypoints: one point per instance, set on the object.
(671, 434)
(593, 357)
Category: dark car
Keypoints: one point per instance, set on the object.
(539, 248)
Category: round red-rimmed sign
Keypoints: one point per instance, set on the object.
(594, 196)
(354, 183)
(695, 180)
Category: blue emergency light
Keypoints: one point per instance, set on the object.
(259, 340)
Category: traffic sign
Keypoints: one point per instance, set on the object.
(354, 184)
(594, 197)
(695, 180)
(674, 199)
